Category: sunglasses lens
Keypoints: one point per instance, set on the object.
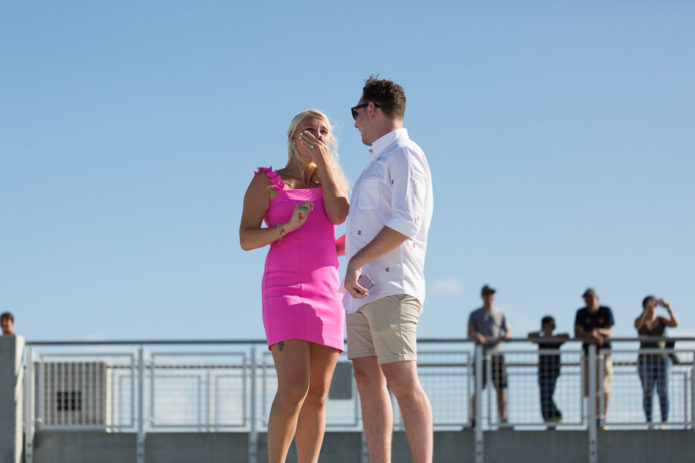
(354, 113)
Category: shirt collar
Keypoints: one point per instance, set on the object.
(380, 144)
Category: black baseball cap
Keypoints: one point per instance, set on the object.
(488, 289)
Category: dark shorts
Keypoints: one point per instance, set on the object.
(499, 372)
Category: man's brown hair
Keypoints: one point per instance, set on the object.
(5, 315)
(389, 96)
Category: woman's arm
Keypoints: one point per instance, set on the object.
(334, 192)
(256, 204)
(639, 321)
(672, 321)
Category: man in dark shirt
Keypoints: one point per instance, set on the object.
(593, 325)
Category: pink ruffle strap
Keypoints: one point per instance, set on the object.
(275, 179)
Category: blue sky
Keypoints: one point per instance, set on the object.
(560, 138)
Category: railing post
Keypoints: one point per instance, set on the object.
(141, 406)
(11, 396)
(253, 432)
(479, 443)
(208, 402)
(591, 405)
(29, 406)
(692, 394)
(600, 359)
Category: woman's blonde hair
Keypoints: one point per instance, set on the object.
(293, 153)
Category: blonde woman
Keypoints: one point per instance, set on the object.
(302, 311)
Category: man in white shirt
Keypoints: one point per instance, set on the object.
(386, 240)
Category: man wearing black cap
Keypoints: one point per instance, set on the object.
(485, 327)
(593, 325)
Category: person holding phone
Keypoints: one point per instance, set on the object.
(386, 240)
(303, 315)
(653, 366)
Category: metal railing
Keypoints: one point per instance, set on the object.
(219, 385)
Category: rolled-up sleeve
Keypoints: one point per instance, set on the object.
(409, 186)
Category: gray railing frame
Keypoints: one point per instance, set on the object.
(253, 364)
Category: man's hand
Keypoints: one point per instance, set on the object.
(597, 337)
(355, 289)
(480, 339)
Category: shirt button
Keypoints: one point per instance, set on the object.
(387, 269)
(359, 232)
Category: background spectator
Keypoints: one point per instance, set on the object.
(7, 323)
(487, 326)
(594, 324)
(548, 366)
(653, 367)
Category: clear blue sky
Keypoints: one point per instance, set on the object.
(560, 138)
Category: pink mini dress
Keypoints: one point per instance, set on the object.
(301, 282)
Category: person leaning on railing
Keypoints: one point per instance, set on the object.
(488, 327)
(593, 324)
(653, 367)
(549, 366)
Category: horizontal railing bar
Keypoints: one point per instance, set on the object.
(263, 341)
(146, 342)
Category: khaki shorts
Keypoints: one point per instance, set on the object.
(604, 362)
(385, 328)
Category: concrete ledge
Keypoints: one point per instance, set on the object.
(672, 446)
(200, 447)
(557, 446)
(338, 447)
(84, 447)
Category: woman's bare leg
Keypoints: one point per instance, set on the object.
(292, 364)
(312, 417)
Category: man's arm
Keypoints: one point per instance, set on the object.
(475, 336)
(386, 240)
(578, 331)
(586, 336)
(605, 332)
(507, 331)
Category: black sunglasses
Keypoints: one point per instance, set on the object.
(354, 109)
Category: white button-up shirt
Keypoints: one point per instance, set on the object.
(394, 190)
